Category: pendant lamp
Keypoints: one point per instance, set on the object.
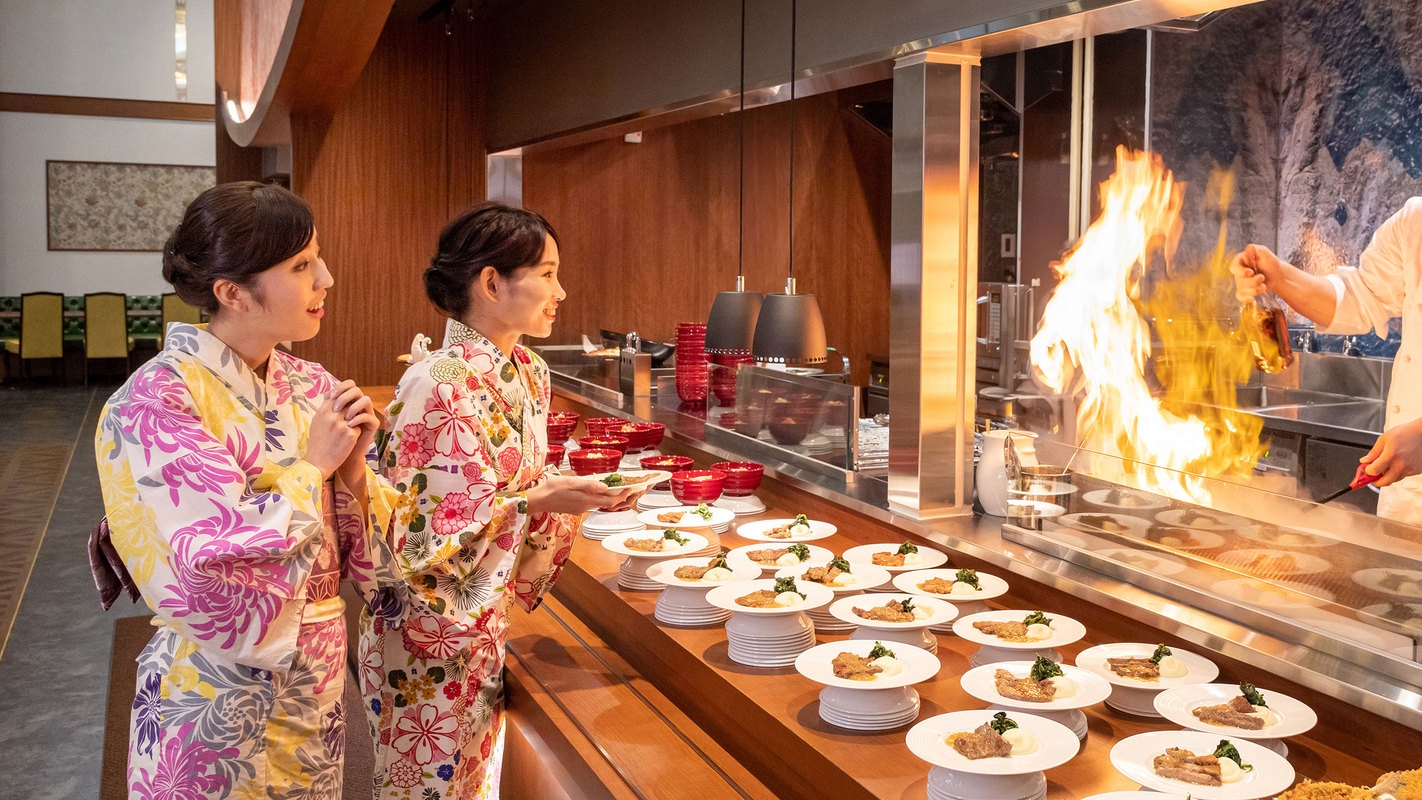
(790, 329)
(731, 326)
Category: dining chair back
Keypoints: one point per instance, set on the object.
(41, 329)
(106, 329)
(176, 310)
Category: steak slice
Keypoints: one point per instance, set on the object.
(854, 668)
(769, 555)
(822, 575)
(887, 559)
(761, 598)
(1012, 630)
(1024, 689)
(1228, 715)
(981, 743)
(1139, 668)
(937, 585)
(644, 545)
(1183, 765)
(690, 573)
(892, 611)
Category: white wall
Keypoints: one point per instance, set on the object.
(87, 48)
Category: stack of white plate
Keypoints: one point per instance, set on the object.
(656, 499)
(768, 637)
(682, 603)
(633, 572)
(776, 650)
(865, 576)
(598, 525)
(884, 701)
(855, 720)
(743, 506)
(990, 586)
(925, 558)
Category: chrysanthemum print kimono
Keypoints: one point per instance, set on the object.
(465, 438)
(238, 547)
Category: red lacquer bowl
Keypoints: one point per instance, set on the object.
(602, 426)
(596, 442)
(590, 461)
(742, 477)
(668, 463)
(695, 486)
(555, 455)
(561, 425)
(640, 435)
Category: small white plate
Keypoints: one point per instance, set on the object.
(1198, 669)
(665, 572)
(612, 521)
(991, 585)
(1274, 595)
(817, 555)
(865, 576)
(1204, 520)
(1142, 559)
(1396, 582)
(1288, 537)
(725, 597)
(940, 611)
(617, 543)
(927, 556)
(689, 521)
(757, 530)
(1187, 538)
(1091, 523)
(1177, 704)
(928, 740)
(645, 479)
(1269, 562)
(817, 664)
(1134, 757)
(1125, 500)
(1065, 630)
(1377, 615)
(981, 682)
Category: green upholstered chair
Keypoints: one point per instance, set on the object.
(175, 310)
(106, 329)
(41, 329)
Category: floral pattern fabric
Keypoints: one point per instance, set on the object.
(465, 438)
(238, 546)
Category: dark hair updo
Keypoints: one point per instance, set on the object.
(488, 235)
(234, 231)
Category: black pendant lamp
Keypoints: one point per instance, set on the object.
(731, 327)
(790, 329)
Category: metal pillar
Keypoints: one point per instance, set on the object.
(932, 314)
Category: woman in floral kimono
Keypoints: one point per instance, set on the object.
(238, 497)
(479, 525)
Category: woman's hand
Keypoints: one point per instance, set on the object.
(338, 425)
(1397, 454)
(359, 413)
(564, 494)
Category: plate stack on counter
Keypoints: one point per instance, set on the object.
(775, 632)
(853, 582)
(644, 548)
(868, 687)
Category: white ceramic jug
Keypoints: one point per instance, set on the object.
(991, 476)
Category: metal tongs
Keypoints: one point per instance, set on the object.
(1360, 479)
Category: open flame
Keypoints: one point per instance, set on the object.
(1180, 421)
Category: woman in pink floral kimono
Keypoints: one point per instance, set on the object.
(238, 497)
(479, 525)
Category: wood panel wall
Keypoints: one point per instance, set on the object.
(649, 231)
(401, 156)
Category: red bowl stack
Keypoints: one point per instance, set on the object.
(592, 460)
(602, 426)
(695, 486)
(640, 435)
(618, 443)
(742, 477)
(555, 455)
(691, 362)
(561, 425)
(723, 376)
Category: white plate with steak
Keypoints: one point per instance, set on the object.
(1212, 707)
(984, 684)
(916, 664)
(1198, 669)
(1135, 758)
(928, 740)
(979, 629)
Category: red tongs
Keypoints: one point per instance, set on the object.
(1360, 479)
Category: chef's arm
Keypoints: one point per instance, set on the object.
(1258, 270)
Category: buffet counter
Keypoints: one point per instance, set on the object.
(767, 719)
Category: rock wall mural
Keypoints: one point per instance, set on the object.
(1317, 107)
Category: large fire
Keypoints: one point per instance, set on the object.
(1094, 343)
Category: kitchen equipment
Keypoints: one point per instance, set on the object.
(1361, 479)
(1262, 323)
(1006, 321)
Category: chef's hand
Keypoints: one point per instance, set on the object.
(564, 494)
(1256, 270)
(1396, 455)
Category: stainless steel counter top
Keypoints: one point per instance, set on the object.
(1277, 642)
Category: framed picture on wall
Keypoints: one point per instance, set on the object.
(95, 205)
